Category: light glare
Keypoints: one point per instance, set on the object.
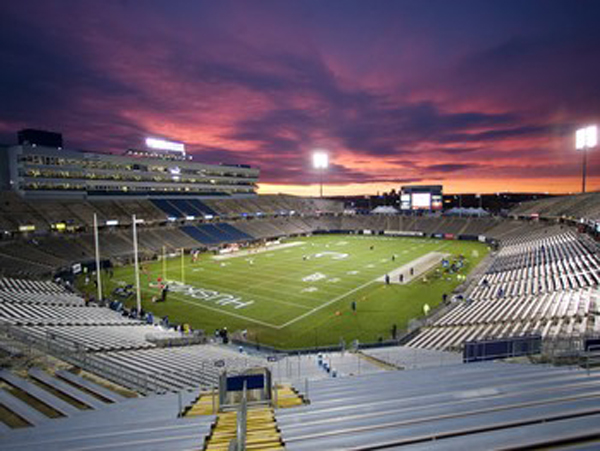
(320, 160)
(592, 136)
(586, 138)
(580, 139)
(162, 144)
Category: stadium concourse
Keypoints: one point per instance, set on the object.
(95, 375)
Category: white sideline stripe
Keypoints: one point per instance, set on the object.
(316, 309)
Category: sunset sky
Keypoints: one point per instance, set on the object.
(480, 96)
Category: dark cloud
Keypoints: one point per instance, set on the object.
(498, 134)
(482, 90)
(450, 167)
(458, 150)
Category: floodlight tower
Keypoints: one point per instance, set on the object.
(586, 138)
(320, 163)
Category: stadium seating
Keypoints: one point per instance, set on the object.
(57, 404)
(215, 234)
(574, 206)
(543, 280)
(182, 208)
(162, 370)
(42, 313)
(474, 406)
(272, 205)
(404, 357)
(129, 424)
(538, 283)
(554, 315)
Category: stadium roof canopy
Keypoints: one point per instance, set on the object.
(467, 212)
(385, 210)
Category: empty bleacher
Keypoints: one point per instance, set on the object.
(474, 406)
(575, 206)
(216, 234)
(404, 357)
(542, 282)
(182, 208)
(110, 344)
(128, 424)
(174, 369)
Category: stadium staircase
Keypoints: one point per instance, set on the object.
(262, 432)
(287, 396)
(205, 404)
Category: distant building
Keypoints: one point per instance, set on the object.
(38, 168)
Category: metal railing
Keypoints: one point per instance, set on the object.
(592, 358)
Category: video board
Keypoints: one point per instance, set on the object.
(421, 197)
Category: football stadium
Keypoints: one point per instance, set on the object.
(159, 292)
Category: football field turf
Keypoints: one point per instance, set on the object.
(300, 294)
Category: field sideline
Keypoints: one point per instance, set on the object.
(301, 295)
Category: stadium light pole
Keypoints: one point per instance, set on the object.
(138, 295)
(320, 163)
(585, 138)
(97, 245)
(164, 263)
(183, 265)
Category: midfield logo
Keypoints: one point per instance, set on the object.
(333, 255)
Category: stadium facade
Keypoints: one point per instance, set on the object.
(36, 170)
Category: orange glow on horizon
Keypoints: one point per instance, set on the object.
(571, 185)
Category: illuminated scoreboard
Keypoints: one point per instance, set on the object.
(421, 197)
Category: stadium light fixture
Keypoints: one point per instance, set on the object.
(163, 144)
(585, 138)
(320, 160)
(320, 163)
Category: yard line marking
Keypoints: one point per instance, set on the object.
(328, 303)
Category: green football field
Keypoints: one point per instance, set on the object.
(301, 294)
